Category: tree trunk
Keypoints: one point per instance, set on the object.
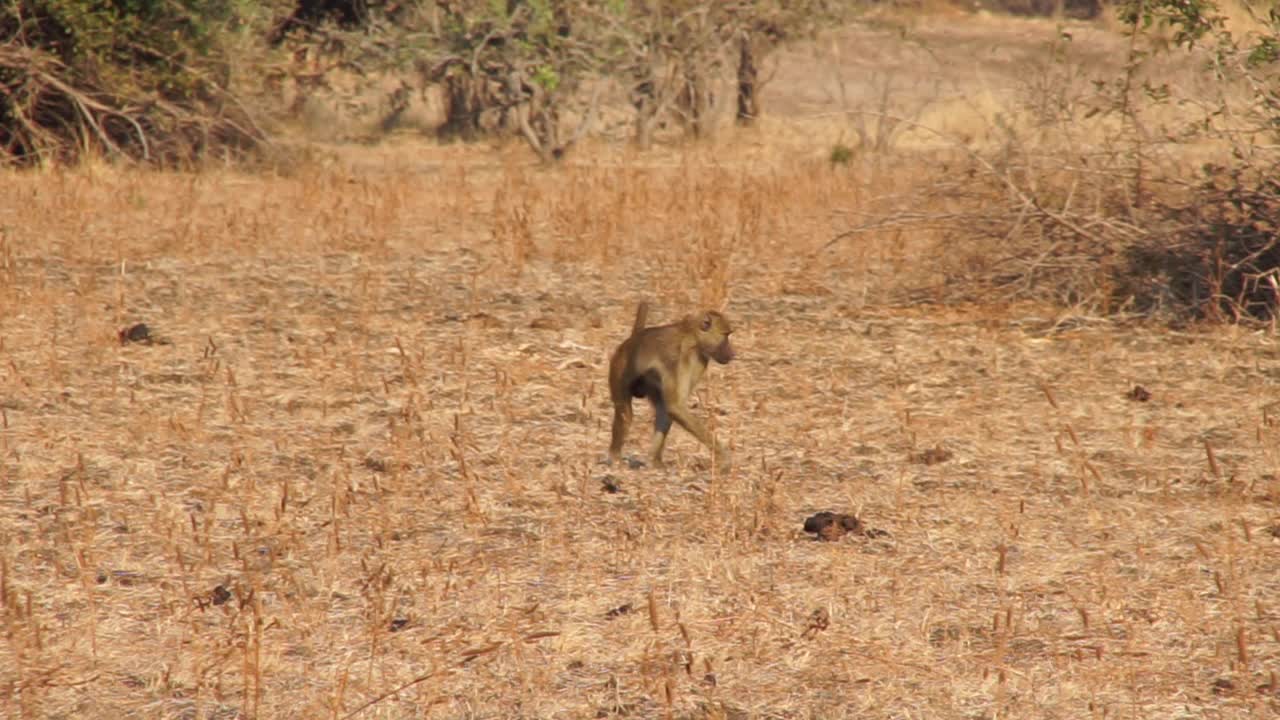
(646, 105)
(697, 101)
(644, 131)
(547, 125)
(539, 121)
(748, 77)
(463, 104)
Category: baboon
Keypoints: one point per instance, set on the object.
(664, 363)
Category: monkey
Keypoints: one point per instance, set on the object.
(663, 364)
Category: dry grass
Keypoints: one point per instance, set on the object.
(368, 458)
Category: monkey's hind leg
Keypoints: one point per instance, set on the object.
(621, 423)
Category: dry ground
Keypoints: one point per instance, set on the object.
(367, 458)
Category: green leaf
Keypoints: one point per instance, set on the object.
(547, 78)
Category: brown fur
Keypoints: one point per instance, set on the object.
(663, 364)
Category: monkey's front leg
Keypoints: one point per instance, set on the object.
(681, 414)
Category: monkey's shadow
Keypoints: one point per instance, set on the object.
(632, 462)
(629, 462)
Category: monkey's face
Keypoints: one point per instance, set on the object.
(713, 337)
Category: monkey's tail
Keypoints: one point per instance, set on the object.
(642, 314)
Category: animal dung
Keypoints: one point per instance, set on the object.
(933, 456)
(138, 333)
(830, 526)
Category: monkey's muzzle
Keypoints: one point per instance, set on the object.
(724, 352)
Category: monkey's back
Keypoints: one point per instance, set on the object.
(640, 362)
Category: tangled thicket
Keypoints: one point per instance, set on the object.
(1220, 258)
(146, 79)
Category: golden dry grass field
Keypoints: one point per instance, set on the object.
(360, 474)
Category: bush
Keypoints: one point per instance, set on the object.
(1220, 260)
(140, 78)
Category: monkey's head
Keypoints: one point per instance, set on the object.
(713, 331)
